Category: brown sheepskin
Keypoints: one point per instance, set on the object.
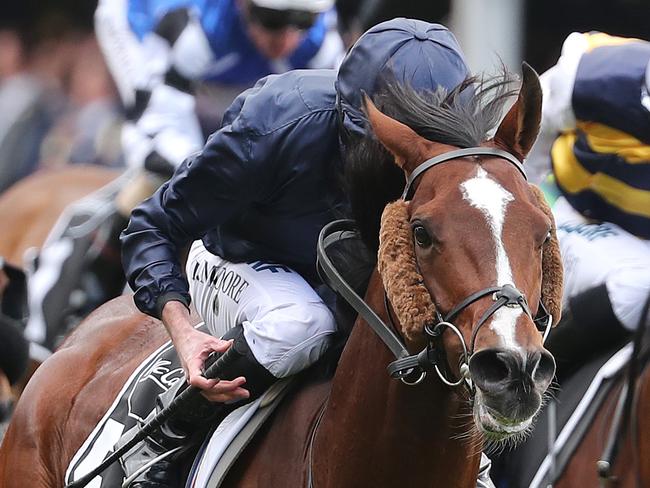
(403, 283)
(552, 277)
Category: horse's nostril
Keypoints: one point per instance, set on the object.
(545, 369)
(489, 369)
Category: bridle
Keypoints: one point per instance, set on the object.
(432, 357)
(412, 369)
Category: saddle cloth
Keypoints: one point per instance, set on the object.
(136, 400)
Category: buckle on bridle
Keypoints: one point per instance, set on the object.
(514, 298)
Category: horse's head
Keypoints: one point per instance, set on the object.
(471, 251)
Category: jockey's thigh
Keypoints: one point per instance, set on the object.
(603, 253)
(286, 324)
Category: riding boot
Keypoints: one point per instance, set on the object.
(190, 426)
(588, 328)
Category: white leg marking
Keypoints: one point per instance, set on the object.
(491, 199)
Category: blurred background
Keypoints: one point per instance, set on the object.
(59, 105)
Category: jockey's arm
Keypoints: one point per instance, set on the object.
(557, 110)
(205, 192)
(166, 129)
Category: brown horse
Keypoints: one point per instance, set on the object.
(29, 210)
(631, 469)
(629, 466)
(472, 224)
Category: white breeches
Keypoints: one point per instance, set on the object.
(594, 254)
(286, 324)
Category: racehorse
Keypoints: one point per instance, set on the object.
(596, 433)
(454, 253)
(29, 210)
(630, 469)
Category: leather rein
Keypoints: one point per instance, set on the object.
(412, 369)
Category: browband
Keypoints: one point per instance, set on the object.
(459, 153)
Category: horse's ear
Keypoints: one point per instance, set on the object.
(520, 127)
(402, 141)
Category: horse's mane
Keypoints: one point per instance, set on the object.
(462, 117)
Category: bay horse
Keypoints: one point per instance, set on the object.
(630, 468)
(468, 235)
(29, 210)
(613, 448)
(31, 207)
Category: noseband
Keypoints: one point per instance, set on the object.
(433, 356)
(412, 369)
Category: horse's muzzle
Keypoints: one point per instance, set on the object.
(510, 387)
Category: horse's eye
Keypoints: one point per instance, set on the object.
(421, 236)
(547, 239)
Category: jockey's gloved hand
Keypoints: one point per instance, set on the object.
(165, 134)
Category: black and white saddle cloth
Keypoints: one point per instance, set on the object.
(136, 401)
(539, 462)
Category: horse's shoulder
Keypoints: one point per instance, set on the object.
(291, 428)
(88, 369)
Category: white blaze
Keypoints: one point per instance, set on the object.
(492, 199)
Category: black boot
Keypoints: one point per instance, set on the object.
(192, 424)
(588, 328)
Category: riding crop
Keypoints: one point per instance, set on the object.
(213, 371)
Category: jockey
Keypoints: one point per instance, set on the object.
(596, 138)
(157, 51)
(252, 203)
(163, 55)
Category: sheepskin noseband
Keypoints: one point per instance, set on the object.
(404, 284)
(552, 269)
(402, 280)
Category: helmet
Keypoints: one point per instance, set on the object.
(424, 55)
(314, 6)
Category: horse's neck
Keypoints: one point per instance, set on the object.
(377, 431)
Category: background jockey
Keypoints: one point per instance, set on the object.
(596, 135)
(252, 201)
(165, 56)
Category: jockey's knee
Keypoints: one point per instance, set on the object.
(292, 338)
(628, 290)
